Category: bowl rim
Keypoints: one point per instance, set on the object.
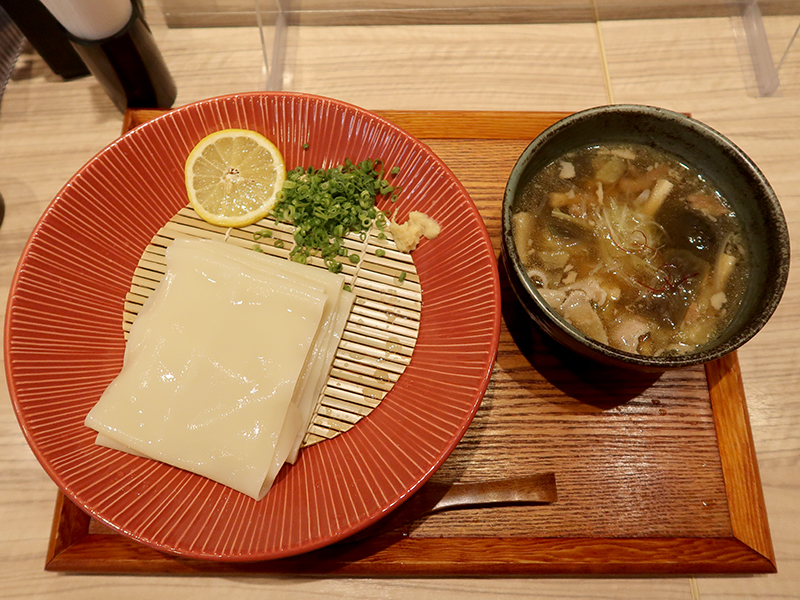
(737, 156)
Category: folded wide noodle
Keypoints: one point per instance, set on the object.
(224, 364)
(334, 318)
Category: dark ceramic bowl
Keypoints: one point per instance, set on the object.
(723, 164)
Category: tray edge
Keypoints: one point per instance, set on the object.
(72, 548)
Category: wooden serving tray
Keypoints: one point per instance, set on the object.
(655, 475)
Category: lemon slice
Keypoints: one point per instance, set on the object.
(233, 177)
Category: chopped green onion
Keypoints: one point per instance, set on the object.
(325, 205)
(402, 277)
(305, 146)
(380, 252)
(354, 258)
(257, 248)
(278, 243)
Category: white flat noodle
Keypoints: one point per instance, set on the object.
(308, 382)
(210, 369)
(292, 426)
(337, 309)
(103, 440)
(309, 401)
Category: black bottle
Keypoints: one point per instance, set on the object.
(129, 66)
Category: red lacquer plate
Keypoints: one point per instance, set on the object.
(64, 341)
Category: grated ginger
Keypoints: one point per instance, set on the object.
(407, 235)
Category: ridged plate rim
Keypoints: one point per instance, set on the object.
(398, 449)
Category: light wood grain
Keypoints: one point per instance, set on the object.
(234, 13)
(48, 128)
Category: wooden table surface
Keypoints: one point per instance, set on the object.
(49, 128)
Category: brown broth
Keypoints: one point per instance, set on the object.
(633, 248)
